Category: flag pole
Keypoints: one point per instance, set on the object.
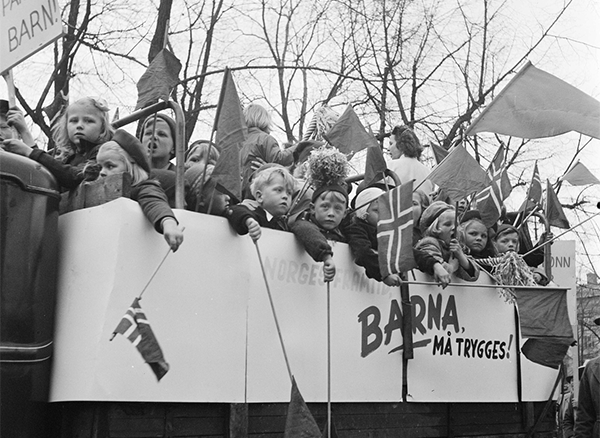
(154, 274)
(561, 234)
(328, 359)
(285, 356)
(10, 85)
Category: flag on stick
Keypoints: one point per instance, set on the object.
(348, 134)
(439, 153)
(579, 175)
(231, 133)
(490, 200)
(375, 166)
(534, 193)
(536, 104)
(299, 422)
(135, 327)
(459, 174)
(554, 211)
(394, 231)
(158, 80)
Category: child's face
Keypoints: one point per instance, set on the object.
(111, 162)
(84, 121)
(329, 211)
(195, 156)
(373, 213)
(446, 225)
(507, 242)
(417, 210)
(161, 145)
(476, 237)
(275, 196)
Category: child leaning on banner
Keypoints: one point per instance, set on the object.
(125, 154)
(437, 223)
(272, 188)
(83, 127)
(327, 170)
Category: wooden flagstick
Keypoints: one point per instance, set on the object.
(154, 274)
(561, 234)
(328, 359)
(285, 356)
(10, 85)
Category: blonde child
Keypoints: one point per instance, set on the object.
(83, 127)
(125, 154)
(438, 253)
(272, 188)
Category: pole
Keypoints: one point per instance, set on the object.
(10, 85)
(328, 360)
(285, 356)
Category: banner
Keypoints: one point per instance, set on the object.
(27, 27)
(209, 308)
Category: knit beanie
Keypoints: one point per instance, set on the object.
(470, 214)
(432, 212)
(332, 188)
(505, 229)
(169, 121)
(133, 147)
(366, 196)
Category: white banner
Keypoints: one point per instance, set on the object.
(27, 27)
(209, 310)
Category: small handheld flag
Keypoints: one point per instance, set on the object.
(135, 327)
(394, 231)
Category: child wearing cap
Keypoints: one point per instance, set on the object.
(506, 240)
(272, 189)
(442, 254)
(125, 154)
(204, 197)
(158, 137)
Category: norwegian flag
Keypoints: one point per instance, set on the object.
(489, 201)
(135, 327)
(394, 231)
(534, 194)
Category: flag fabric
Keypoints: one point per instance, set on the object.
(490, 200)
(534, 193)
(459, 174)
(231, 133)
(299, 422)
(579, 175)
(348, 134)
(375, 166)
(116, 117)
(158, 80)
(135, 327)
(545, 322)
(439, 153)
(394, 231)
(554, 211)
(536, 104)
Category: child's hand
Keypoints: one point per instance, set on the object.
(392, 280)
(455, 248)
(15, 118)
(441, 275)
(328, 269)
(253, 229)
(16, 147)
(173, 233)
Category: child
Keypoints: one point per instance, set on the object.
(437, 224)
(200, 197)
(13, 126)
(125, 154)
(159, 139)
(196, 154)
(507, 240)
(327, 170)
(272, 189)
(420, 202)
(362, 235)
(83, 127)
(475, 236)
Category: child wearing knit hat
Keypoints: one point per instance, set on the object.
(158, 137)
(444, 255)
(125, 154)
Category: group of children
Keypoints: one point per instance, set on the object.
(316, 211)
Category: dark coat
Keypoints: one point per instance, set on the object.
(314, 238)
(250, 209)
(587, 418)
(153, 201)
